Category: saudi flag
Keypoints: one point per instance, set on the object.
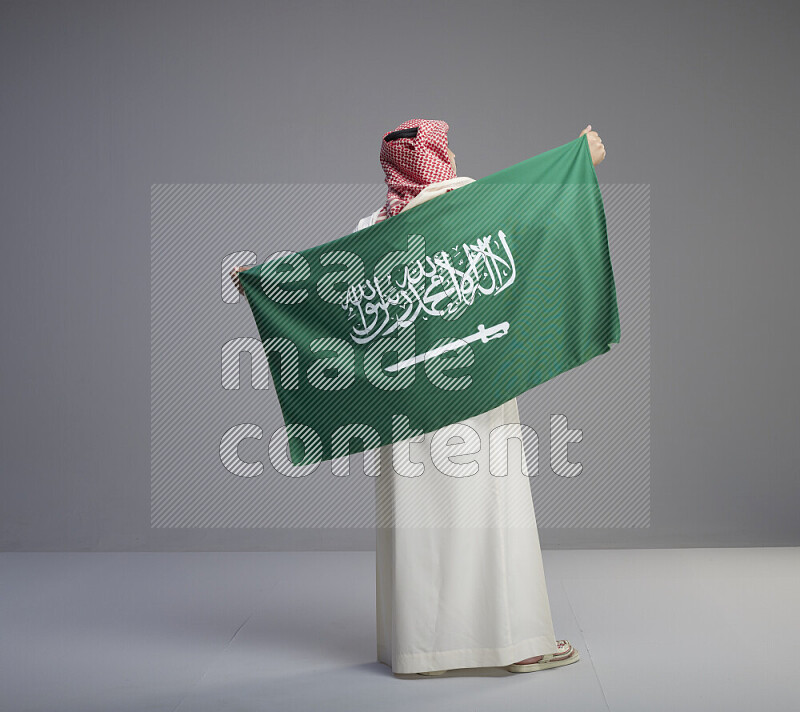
(442, 312)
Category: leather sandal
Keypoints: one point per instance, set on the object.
(565, 655)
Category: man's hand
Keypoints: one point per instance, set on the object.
(235, 277)
(596, 146)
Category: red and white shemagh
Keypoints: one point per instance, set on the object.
(410, 164)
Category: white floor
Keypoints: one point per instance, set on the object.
(665, 629)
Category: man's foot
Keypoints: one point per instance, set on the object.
(530, 661)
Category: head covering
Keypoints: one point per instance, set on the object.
(413, 156)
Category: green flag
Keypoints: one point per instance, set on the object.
(442, 312)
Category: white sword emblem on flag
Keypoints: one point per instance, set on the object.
(483, 334)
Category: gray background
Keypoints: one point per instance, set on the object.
(101, 100)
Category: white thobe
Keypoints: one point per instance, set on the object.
(459, 574)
